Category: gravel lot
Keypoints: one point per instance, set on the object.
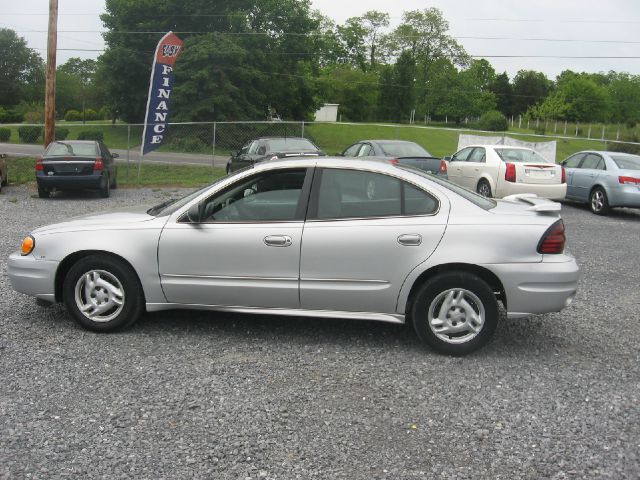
(201, 395)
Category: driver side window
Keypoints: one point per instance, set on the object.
(462, 155)
(267, 197)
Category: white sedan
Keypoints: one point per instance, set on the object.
(499, 171)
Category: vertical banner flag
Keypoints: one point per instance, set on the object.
(160, 87)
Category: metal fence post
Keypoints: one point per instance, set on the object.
(213, 147)
(302, 129)
(128, 148)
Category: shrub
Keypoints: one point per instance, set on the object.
(103, 113)
(626, 147)
(494, 121)
(33, 116)
(10, 116)
(61, 133)
(90, 114)
(5, 134)
(91, 135)
(29, 134)
(73, 116)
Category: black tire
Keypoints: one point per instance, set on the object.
(484, 189)
(598, 201)
(5, 181)
(228, 168)
(105, 190)
(114, 182)
(111, 271)
(478, 297)
(43, 193)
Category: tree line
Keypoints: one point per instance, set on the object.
(248, 58)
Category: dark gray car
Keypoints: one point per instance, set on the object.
(399, 151)
(603, 179)
(271, 148)
(76, 165)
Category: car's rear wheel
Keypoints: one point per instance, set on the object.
(43, 193)
(599, 202)
(102, 293)
(105, 188)
(455, 313)
(484, 189)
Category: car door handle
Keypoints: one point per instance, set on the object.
(410, 239)
(278, 241)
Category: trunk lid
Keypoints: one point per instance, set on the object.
(538, 173)
(68, 165)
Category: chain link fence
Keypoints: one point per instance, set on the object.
(211, 144)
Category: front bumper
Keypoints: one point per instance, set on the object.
(535, 288)
(33, 277)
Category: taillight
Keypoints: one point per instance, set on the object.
(553, 240)
(443, 167)
(629, 180)
(564, 176)
(510, 174)
(98, 165)
(394, 161)
(39, 165)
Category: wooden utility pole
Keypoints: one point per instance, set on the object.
(50, 89)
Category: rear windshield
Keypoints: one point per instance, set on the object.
(66, 149)
(517, 155)
(627, 162)
(290, 145)
(404, 149)
(478, 200)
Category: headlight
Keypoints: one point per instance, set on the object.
(27, 245)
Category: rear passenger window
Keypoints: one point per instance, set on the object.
(356, 194)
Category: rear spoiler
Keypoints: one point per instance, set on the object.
(537, 204)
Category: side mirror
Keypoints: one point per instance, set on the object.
(115, 155)
(194, 214)
(448, 158)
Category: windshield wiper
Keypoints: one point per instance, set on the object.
(157, 208)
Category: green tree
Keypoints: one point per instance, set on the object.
(21, 70)
(585, 100)
(356, 91)
(624, 92)
(529, 88)
(503, 90)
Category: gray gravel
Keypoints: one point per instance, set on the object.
(201, 395)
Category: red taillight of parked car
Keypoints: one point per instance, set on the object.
(98, 165)
(564, 175)
(510, 173)
(553, 240)
(394, 161)
(443, 167)
(39, 165)
(629, 180)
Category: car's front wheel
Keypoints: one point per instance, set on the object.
(103, 293)
(455, 313)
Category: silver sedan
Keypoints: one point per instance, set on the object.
(603, 180)
(303, 237)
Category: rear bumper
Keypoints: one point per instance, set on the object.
(625, 196)
(535, 288)
(552, 192)
(32, 277)
(70, 182)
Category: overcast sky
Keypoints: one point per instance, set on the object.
(587, 29)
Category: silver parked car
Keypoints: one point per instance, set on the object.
(603, 180)
(303, 237)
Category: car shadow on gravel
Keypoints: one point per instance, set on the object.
(620, 213)
(74, 195)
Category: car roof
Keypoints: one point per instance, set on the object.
(378, 140)
(282, 138)
(75, 141)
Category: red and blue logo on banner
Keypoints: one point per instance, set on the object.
(160, 87)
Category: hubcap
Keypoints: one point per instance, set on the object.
(456, 316)
(597, 201)
(483, 190)
(99, 296)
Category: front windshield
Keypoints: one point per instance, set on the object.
(627, 162)
(173, 204)
(520, 155)
(289, 145)
(66, 149)
(403, 149)
(475, 198)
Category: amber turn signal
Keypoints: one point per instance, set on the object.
(27, 245)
